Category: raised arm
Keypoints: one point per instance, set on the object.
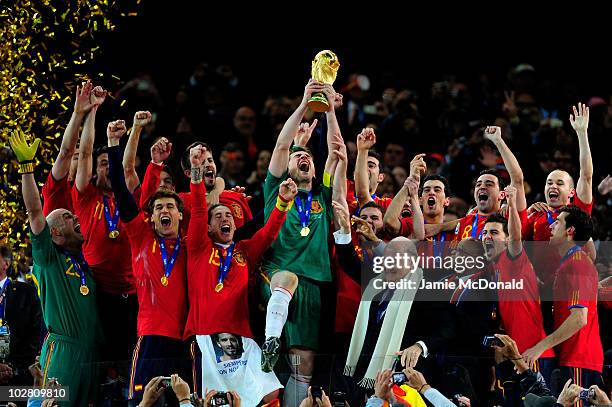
(493, 133)
(365, 141)
(392, 215)
(85, 165)
(264, 237)
(25, 154)
(198, 224)
(280, 155)
(339, 182)
(515, 244)
(160, 151)
(128, 208)
(333, 129)
(141, 119)
(418, 222)
(82, 106)
(580, 122)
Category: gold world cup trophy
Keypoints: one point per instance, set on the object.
(324, 69)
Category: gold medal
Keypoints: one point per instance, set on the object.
(84, 290)
(305, 231)
(113, 234)
(164, 281)
(218, 287)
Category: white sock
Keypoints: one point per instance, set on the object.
(277, 311)
(296, 390)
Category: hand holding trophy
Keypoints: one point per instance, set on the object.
(324, 69)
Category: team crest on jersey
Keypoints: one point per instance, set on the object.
(239, 258)
(315, 207)
(237, 211)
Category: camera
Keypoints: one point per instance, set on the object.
(399, 378)
(490, 341)
(455, 400)
(316, 392)
(339, 399)
(587, 394)
(165, 381)
(220, 399)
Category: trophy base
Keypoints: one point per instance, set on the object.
(318, 103)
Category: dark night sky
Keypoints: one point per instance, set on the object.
(418, 47)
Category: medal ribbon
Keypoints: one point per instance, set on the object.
(113, 221)
(304, 211)
(224, 265)
(169, 263)
(439, 247)
(76, 264)
(3, 301)
(475, 228)
(549, 217)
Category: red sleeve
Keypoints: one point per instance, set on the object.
(264, 237)
(197, 232)
(523, 218)
(136, 230)
(588, 208)
(406, 227)
(81, 198)
(581, 280)
(150, 183)
(56, 194)
(527, 226)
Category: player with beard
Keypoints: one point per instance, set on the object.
(218, 280)
(576, 322)
(56, 189)
(488, 191)
(159, 261)
(66, 286)
(559, 191)
(302, 244)
(519, 309)
(107, 247)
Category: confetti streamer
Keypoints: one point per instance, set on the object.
(47, 47)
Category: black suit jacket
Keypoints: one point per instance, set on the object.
(24, 318)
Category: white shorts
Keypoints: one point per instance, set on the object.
(232, 362)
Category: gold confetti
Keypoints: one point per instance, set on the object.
(38, 74)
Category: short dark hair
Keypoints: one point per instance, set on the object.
(498, 218)
(295, 149)
(185, 162)
(436, 177)
(495, 173)
(98, 152)
(372, 204)
(213, 207)
(581, 221)
(374, 154)
(164, 193)
(6, 253)
(169, 171)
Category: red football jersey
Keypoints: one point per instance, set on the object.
(472, 224)
(162, 310)
(226, 310)
(56, 194)
(520, 309)
(108, 258)
(576, 287)
(537, 228)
